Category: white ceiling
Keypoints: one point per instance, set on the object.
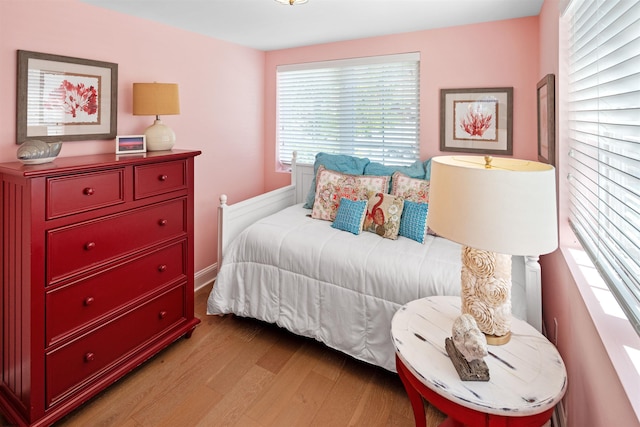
(268, 25)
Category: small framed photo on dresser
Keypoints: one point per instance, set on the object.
(130, 144)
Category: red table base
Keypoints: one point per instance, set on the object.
(459, 416)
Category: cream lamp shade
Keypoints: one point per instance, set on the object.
(157, 99)
(495, 207)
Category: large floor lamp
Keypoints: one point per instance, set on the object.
(496, 208)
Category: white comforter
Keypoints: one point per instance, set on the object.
(336, 287)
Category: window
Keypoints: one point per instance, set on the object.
(365, 107)
(604, 129)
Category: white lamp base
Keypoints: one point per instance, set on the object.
(486, 292)
(159, 136)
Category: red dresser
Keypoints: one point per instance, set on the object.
(97, 274)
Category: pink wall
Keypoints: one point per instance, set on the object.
(496, 54)
(227, 94)
(227, 99)
(221, 92)
(595, 395)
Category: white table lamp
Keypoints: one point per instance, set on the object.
(495, 207)
(156, 99)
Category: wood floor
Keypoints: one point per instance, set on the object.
(241, 372)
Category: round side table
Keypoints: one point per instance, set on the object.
(528, 376)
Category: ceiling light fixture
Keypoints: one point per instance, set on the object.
(292, 2)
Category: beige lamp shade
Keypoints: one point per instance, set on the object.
(155, 99)
(509, 208)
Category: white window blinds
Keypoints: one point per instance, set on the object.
(365, 107)
(604, 130)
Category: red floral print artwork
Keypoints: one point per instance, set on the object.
(476, 123)
(78, 98)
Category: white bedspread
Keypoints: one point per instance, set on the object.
(320, 282)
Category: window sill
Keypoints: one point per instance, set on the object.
(620, 340)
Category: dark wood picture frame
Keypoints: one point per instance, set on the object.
(477, 120)
(61, 98)
(546, 111)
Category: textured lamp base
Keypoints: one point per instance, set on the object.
(486, 292)
(159, 136)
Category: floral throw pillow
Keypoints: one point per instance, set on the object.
(383, 215)
(416, 190)
(331, 186)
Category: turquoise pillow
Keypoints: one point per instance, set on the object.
(427, 170)
(336, 162)
(350, 215)
(416, 170)
(413, 223)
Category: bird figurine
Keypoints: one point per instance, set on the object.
(35, 151)
(468, 338)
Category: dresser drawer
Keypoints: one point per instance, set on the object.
(84, 192)
(75, 248)
(151, 180)
(73, 364)
(75, 305)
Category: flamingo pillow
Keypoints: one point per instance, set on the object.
(383, 215)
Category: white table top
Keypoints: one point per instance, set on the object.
(527, 374)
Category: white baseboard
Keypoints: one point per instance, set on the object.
(559, 417)
(205, 276)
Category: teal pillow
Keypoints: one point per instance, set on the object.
(336, 162)
(350, 215)
(413, 223)
(427, 170)
(416, 170)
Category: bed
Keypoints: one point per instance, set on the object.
(278, 265)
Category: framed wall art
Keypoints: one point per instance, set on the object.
(129, 144)
(477, 120)
(61, 98)
(546, 119)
